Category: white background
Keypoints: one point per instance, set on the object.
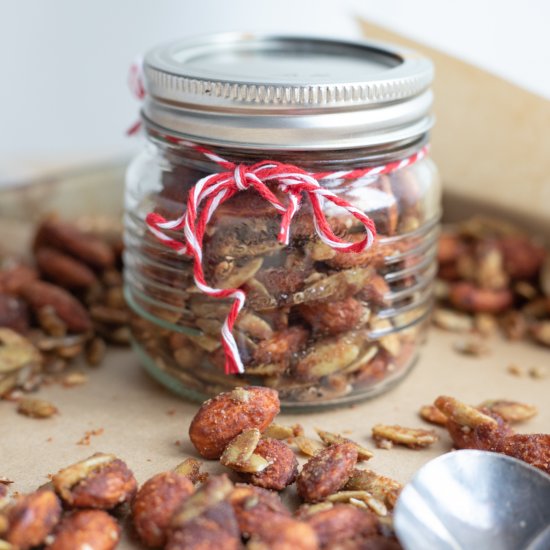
(64, 63)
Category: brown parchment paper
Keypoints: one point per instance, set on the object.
(147, 426)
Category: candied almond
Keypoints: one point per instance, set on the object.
(68, 238)
(100, 481)
(449, 247)
(334, 317)
(156, 502)
(40, 294)
(225, 416)
(531, 448)
(283, 533)
(32, 518)
(282, 465)
(469, 431)
(326, 472)
(206, 519)
(254, 507)
(522, 257)
(14, 274)
(414, 438)
(469, 427)
(467, 297)
(215, 490)
(376, 291)
(281, 345)
(86, 529)
(214, 529)
(64, 270)
(340, 522)
(280, 280)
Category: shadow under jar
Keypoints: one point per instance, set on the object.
(321, 325)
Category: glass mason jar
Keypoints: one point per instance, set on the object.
(321, 324)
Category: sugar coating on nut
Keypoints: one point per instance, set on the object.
(86, 529)
(155, 504)
(225, 416)
(334, 317)
(215, 528)
(342, 521)
(531, 448)
(487, 430)
(283, 533)
(326, 472)
(32, 518)
(101, 481)
(206, 519)
(282, 469)
(254, 508)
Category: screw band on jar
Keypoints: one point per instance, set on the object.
(292, 181)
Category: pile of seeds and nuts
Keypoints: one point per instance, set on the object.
(65, 304)
(492, 275)
(343, 506)
(319, 325)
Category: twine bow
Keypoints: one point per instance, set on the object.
(213, 190)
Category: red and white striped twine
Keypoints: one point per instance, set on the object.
(213, 190)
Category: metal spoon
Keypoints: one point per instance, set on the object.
(475, 500)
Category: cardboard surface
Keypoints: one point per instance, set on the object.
(491, 140)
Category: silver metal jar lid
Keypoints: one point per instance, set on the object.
(287, 92)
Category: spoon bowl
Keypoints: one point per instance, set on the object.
(475, 499)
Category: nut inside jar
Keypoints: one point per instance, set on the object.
(319, 325)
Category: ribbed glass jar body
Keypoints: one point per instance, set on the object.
(321, 326)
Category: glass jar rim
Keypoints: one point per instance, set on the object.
(313, 93)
